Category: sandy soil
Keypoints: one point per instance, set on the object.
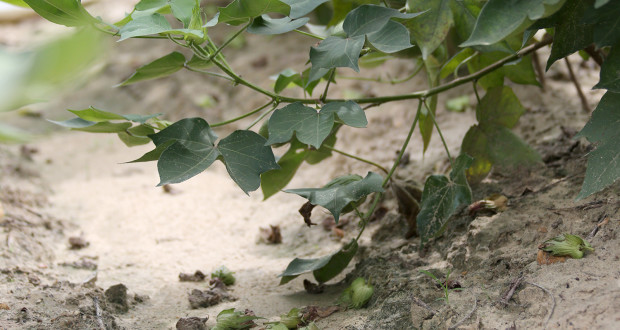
(142, 237)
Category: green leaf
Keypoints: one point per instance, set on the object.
(451, 67)
(476, 144)
(183, 10)
(144, 25)
(393, 37)
(64, 12)
(571, 32)
(465, 14)
(141, 118)
(247, 157)
(429, 108)
(131, 141)
(240, 11)
(430, 29)
(267, 25)
(19, 3)
(441, 197)
(600, 3)
(606, 24)
(458, 104)
(500, 18)
(324, 268)
(602, 128)
(499, 106)
(96, 115)
(79, 124)
(508, 151)
(311, 127)
(370, 18)
(603, 167)
(521, 71)
(300, 8)
(610, 71)
(154, 154)
(337, 197)
(349, 112)
(154, 24)
(192, 152)
(161, 67)
(285, 78)
(335, 52)
(275, 180)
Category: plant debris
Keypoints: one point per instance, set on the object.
(566, 245)
(192, 323)
(233, 319)
(493, 203)
(212, 296)
(82, 263)
(271, 235)
(313, 288)
(198, 276)
(306, 212)
(314, 313)
(78, 242)
(224, 274)
(116, 296)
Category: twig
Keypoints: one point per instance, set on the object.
(457, 324)
(539, 70)
(573, 78)
(603, 220)
(422, 304)
(511, 290)
(595, 54)
(552, 297)
(98, 313)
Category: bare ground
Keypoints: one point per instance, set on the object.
(142, 237)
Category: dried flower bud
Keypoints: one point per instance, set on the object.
(358, 294)
(224, 274)
(232, 319)
(566, 245)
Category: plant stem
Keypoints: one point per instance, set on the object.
(329, 80)
(275, 105)
(215, 74)
(404, 147)
(573, 78)
(357, 158)
(312, 35)
(176, 42)
(476, 91)
(233, 37)
(242, 116)
(445, 145)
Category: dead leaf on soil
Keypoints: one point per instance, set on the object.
(4, 306)
(271, 235)
(494, 203)
(168, 189)
(77, 243)
(313, 288)
(313, 313)
(545, 258)
(198, 276)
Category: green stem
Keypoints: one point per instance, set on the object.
(215, 74)
(176, 42)
(404, 147)
(329, 80)
(445, 145)
(384, 99)
(476, 91)
(233, 37)
(242, 116)
(275, 105)
(357, 158)
(458, 67)
(312, 35)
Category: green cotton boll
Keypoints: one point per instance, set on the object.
(358, 294)
(224, 274)
(292, 319)
(231, 319)
(567, 245)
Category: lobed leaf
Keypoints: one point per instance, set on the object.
(430, 30)
(441, 197)
(335, 52)
(240, 11)
(96, 115)
(183, 10)
(154, 24)
(392, 38)
(335, 198)
(267, 25)
(602, 128)
(610, 79)
(606, 24)
(500, 18)
(370, 18)
(499, 106)
(572, 33)
(161, 67)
